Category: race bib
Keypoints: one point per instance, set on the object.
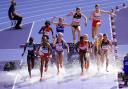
(44, 50)
(105, 47)
(46, 33)
(30, 47)
(59, 47)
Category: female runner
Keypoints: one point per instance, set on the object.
(96, 19)
(59, 44)
(77, 14)
(44, 52)
(30, 47)
(59, 25)
(106, 45)
(82, 47)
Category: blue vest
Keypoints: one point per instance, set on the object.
(125, 64)
(60, 28)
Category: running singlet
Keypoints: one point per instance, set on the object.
(83, 45)
(60, 28)
(104, 45)
(77, 17)
(96, 19)
(97, 16)
(46, 30)
(44, 50)
(30, 47)
(59, 46)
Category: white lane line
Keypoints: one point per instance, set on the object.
(31, 31)
(22, 58)
(58, 11)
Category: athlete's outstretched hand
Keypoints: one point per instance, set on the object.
(22, 54)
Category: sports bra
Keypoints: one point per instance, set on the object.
(76, 17)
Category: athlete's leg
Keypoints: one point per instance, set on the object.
(32, 62)
(107, 61)
(86, 62)
(46, 64)
(29, 65)
(93, 32)
(57, 62)
(61, 59)
(41, 67)
(74, 35)
(95, 28)
(79, 32)
(82, 63)
(102, 57)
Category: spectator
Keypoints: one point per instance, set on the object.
(13, 15)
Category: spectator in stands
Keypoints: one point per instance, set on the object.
(13, 15)
(125, 64)
(125, 69)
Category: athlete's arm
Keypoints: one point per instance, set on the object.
(37, 51)
(108, 12)
(50, 48)
(24, 49)
(40, 31)
(54, 42)
(70, 13)
(85, 19)
(52, 32)
(77, 48)
(65, 24)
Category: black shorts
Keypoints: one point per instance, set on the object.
(30, 56)
(75, 26)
